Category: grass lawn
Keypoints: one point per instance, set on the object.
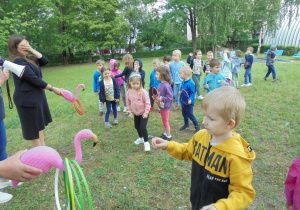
(121, 175)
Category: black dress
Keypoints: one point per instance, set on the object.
(30, 99)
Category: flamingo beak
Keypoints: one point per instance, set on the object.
(95, 139)
(83, 89)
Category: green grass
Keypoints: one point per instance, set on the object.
(121, 175)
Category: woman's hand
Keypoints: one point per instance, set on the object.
(57, 91)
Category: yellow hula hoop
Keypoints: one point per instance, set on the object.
(68, 170)
(80, 105)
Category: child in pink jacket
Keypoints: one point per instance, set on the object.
(292, 186)
(115, 65)
(138, 104)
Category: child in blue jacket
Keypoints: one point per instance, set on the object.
(109, 93)
(153, 82)
(187, 100)
(214, 79)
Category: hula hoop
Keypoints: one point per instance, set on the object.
(69, 190)
(186, 94)
(156, 98)
(80, 105)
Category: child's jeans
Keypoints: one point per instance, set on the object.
(271, 69)
(109, 105)
(196, 80)
(235, 80)
(123, 95)
(3, 141)
(176, 89)
(248, 74)
(187, 113)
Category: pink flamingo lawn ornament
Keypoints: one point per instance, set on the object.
(69, 97)
(44, 157)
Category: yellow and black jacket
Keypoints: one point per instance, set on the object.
(221, 174)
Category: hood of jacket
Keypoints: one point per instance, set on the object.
(238, 146)
(112, 64)
(141, 63)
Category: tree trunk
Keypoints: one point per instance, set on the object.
(64, 57)
(90, 56)
(259, 41)
(70, 53)
(214, 48)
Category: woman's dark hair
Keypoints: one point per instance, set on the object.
(13, 42)
(164, 73)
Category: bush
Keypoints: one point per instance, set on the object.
(288, 50)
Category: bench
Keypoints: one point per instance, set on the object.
(296, 55)
(277, 52)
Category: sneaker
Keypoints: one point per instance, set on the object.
(249, 84)
(139, 141)
(197, 128)
(184, 127)
(5, 197)
(265, 79)
(243, 85)
(200, 97)
(127, 113)
(100, 114)
(116, 122)
(168, 138)
(7, 184)
(147, 146)
(275, 80)
(125, 109)
(163, 136)
(118, 108)
(108, 125)
(151, 109)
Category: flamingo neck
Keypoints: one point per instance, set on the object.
(78, 151)
(77, 89)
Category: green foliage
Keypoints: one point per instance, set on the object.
(288, 50)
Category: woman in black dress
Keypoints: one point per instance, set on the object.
(29, 95)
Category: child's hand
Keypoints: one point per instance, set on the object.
(289, 206)
(207, 72)
(223, 82)
(117, 100)
(113, 76)
(209, 207)
(172, 82)
(206, 86)
(96, 93)
(101, 103)
(159, 98)
(159, 143)
(179, 93)
(154, 97)
(189, 102)
(145, 115)
(130, 114)
(191, 54)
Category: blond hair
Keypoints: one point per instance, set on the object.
(134, 76)
(128, 60)
(100, 61)
(228, 101)
(186, 69)
(156, 61)
(209, 52)
(178, 52)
